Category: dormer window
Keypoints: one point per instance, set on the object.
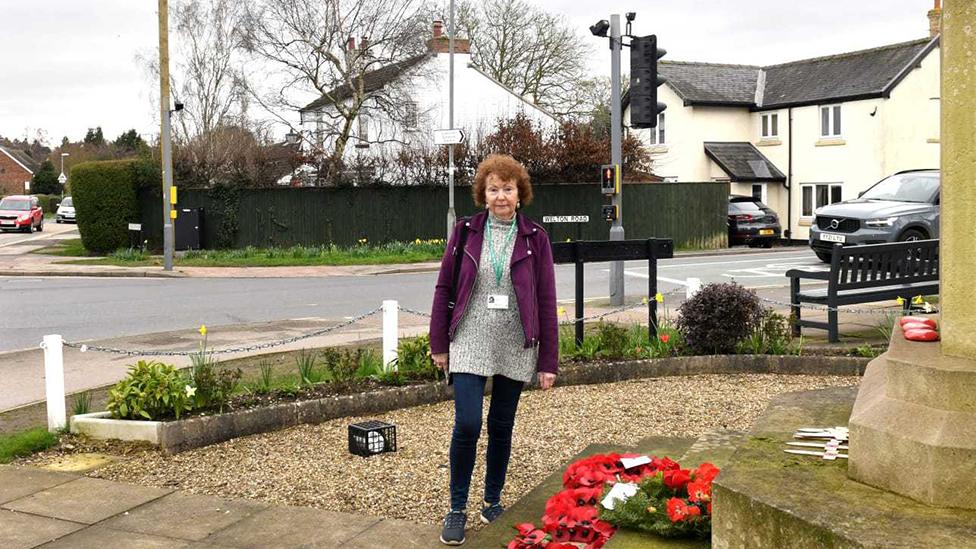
(411, 116)
(770, 125)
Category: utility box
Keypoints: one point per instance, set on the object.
(189, 229)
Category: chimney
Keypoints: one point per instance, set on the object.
(440, 43)
(364, 43)
(935, 19)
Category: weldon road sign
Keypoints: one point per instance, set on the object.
(448, 137)
(566, 219)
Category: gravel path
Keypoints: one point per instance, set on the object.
(309, 465)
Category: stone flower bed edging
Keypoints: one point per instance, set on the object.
(186, 434)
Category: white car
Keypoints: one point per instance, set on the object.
(66, 211)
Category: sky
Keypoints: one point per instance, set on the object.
(67, 65)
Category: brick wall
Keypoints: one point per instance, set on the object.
(12, 176)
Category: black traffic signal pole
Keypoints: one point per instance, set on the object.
(590, 251)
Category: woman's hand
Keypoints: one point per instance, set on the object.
(546, 380)
(440, 360)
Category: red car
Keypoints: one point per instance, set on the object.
(21, 213)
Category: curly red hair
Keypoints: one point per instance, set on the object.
(505, 168)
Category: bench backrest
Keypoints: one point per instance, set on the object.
(874, 265)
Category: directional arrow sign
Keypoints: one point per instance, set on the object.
(448, 137)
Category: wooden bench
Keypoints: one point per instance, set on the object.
(865, 274)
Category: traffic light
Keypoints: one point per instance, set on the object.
(644, 80)
(610, 212)
(610, 179)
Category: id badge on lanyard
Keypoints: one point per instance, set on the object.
(496, 301)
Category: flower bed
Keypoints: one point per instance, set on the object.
(608, 491)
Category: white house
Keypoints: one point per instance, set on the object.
(802, 134)
(415, 95)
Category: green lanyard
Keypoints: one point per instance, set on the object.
(498, 263)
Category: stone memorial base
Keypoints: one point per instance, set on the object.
(913, 427)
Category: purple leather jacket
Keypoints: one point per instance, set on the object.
(533, 277)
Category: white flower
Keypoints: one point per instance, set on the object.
(190, 391)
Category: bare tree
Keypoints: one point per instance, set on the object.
(306, 45)
(535, 53)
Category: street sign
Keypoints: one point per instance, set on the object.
(565, 219)
(135, 226)
(62, 178)
(448, 137)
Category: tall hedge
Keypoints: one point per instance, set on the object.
(104, 195)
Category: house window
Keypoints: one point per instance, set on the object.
(759, 192)
(657, 133)
(770, 125)
(411, 116)
(819, 195)
(830, 121)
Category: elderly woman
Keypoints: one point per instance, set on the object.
(494, 316)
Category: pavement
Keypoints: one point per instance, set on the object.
(42, 508)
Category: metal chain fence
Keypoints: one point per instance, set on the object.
(923, 307)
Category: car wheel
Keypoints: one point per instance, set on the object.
(823, 256)
(911, 235)
(30, 227)
(767, 243)
(58, 221)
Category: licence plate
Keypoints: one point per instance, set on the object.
(765, 231)
(833, 237)
(7, 223)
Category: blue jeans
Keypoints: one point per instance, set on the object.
(469, 392)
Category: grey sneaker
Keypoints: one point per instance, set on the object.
(453, 532)
(490, 512)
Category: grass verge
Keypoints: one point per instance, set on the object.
(295, 256)
(25, 443)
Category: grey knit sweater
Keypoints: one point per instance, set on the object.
(491, 341)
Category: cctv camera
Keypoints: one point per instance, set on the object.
(631, 15)
(600, 28)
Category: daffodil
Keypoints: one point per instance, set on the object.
(659, 297)
(900, 301)
(644, 301)
(203, 329)
(190, 391)
(918, 300)
(561, 310)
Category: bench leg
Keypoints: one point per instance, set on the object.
(794, 305)
(832, 335)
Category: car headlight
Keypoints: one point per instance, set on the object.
(881, 222)
(23, 217)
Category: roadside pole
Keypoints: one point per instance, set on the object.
(167, 151)
(616, 121)
(451, 216)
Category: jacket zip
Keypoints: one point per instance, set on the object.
(515, 289)
(465, 310)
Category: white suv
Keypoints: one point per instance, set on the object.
(66, 211)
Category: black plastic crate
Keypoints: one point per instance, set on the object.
(372, 437)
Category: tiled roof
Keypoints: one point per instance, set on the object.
(743, 161)
(372, 81)
(21, 158)
(711, 83)
(859, 74)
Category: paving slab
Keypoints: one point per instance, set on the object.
(100, 537)
(22, 531)
(396, 533)
(184, 516)
(86, 500)
(287, 527)
(18, 482)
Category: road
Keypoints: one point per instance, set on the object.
(99, 308)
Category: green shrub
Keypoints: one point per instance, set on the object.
(414, 360)
(152, 390)
(266, 381)
(213, 386)
(612, 340)
(771, 336)
(104, 194)
(81, 403)
(341, 366)
(48, 202)
(718, 317)
(370, 364)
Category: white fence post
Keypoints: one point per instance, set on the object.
(390, 333)
(691, 287)
(54, 381)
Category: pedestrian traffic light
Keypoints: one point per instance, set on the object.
(610, 212)
(644, 80)
(610, 179)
